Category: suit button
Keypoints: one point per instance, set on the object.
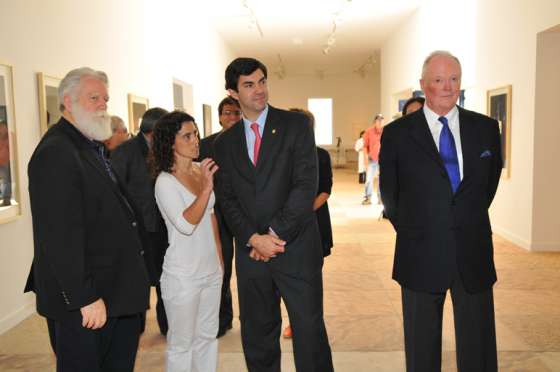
(142, 252)
(453, 202)
(134, 224)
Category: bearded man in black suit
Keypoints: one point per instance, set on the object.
(267, 182)
(440, 168)
(88, 270)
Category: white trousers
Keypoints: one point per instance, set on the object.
(192, 307)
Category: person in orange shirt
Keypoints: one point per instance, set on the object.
(372, 144)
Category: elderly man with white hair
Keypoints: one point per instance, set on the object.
(440, 168)
(119, 134)
(88, 271)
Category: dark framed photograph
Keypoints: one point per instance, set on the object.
(499, 108)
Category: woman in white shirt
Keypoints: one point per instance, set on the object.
(359, 147)
(192, 268)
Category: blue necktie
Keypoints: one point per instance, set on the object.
(448, 153)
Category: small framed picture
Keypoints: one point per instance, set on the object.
(207, 119)
(137, 106)
(10, 207)
(49, 104)
(499, 108)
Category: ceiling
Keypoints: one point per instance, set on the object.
(292, 37)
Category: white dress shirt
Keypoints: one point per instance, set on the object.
(192, 248)
(435, 128)
(250, 135)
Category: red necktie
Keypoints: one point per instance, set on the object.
(255, 128)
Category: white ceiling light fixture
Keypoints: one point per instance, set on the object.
(366, 66)
(254, 21)
(280, 70)
(337, 20)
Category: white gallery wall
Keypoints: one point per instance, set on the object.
(496, 42)
(142, 45)
(546, 178)
(356, 99)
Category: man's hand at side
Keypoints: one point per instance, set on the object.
(94, 315)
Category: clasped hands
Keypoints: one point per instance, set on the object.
(267, 246)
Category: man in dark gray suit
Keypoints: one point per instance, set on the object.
(130, 161)
(440, 168)
(266, 186)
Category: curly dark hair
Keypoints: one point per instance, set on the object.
(165, 130)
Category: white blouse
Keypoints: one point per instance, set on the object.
(192, 248)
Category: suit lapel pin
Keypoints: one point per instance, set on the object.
(273, 131)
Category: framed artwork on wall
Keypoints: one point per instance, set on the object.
(183, 96)
(49, 105)
(399, 99)
(10, 207)
(137, 106)
(207, 119)
(498, 106)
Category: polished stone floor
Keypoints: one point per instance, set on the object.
(363, 308)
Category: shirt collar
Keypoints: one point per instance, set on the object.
(432, 117)
(261, 120)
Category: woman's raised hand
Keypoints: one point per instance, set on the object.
(208, 167)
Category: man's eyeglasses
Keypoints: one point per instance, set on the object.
(228, 113)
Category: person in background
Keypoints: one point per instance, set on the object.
(359, 147)
(88, 270)
(130, 161)
(413, 104)
(229, 113)
(192, 269)
(320, 205)
(372, 144)
(440, 168)
(119, 134)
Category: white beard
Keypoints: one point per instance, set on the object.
(94, 125)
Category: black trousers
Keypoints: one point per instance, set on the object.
(475, 330)
(158, 246)
(261, 321)
(109, 349)
(226, 305)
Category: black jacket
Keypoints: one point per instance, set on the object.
(130, 161)
(86, 237)
(278, 193)
(325, 185)
(439, 232)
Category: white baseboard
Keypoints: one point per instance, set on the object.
(526, 244)
(515, 239)
(14, 318)
(545, 246)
